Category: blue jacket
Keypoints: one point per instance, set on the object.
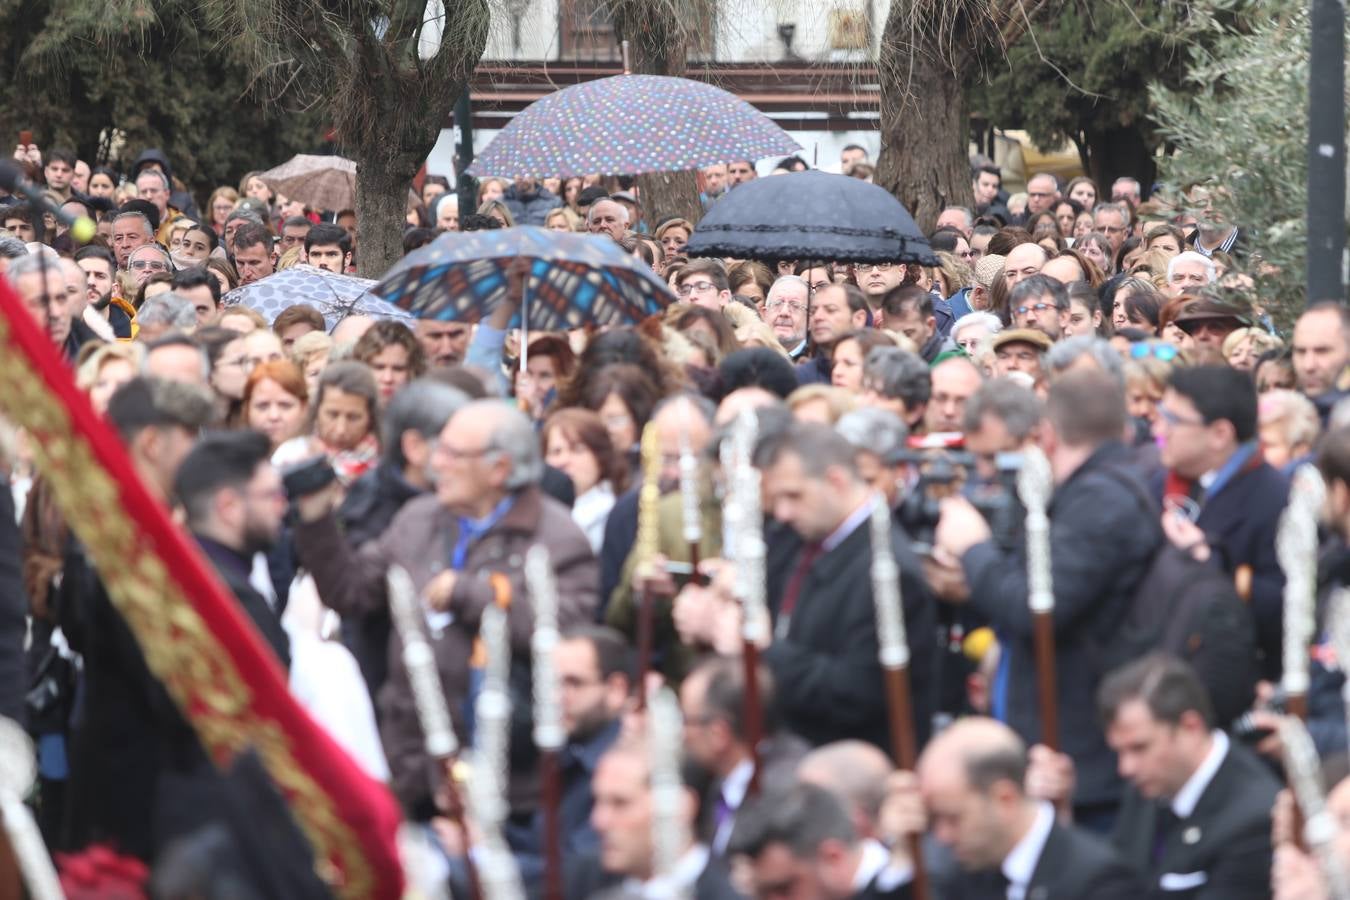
(531, 210)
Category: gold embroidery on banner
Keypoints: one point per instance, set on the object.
(178, 646)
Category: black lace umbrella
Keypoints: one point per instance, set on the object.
(811, 215)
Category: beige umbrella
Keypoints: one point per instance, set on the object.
(320, 182)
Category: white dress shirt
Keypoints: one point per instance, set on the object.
(1184, 803)
(1020, 864)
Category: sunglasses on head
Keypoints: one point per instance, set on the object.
(1162, 352)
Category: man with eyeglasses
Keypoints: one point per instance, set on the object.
(1208, 443)
(1041, 303)
(1112, 220)
(462, 544)
(876, 280)
(785, 311)
(704, 283)
(1042, 193)
(147, 260)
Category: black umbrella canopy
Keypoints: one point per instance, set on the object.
(811, 215)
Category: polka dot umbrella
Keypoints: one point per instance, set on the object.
(628, 125)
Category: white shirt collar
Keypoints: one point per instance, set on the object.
(874, 859)
(1184, 803)
(848, 526)
(1020, 864)
(680, 881)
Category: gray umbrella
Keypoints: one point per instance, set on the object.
(335, 296)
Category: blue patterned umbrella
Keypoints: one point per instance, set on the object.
(336, 296)
(630, 124)
(574, 279)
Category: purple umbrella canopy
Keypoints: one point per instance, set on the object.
(629, 125)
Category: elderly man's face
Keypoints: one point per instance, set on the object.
(607, 217)
(466, 474)
(129, 233)
(1041, 194)
(954, 218)
(715, 177)
(785, 312)
(1187, 274)
(44, 296)
(146, 261)
(1023, 261)
(150, 187)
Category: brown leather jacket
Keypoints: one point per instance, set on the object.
(421, 539)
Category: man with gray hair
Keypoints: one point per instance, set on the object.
(897, 381)
(1112, 220)
(463, 545)
(607, 217)
(785, 311)
(10, 248)
(234, 221)
(409, 428)
(41, 285)
(164, 313)
(131, 229)
(1126, 189)
(1039, 302)
(876, 434)
(1085, 351)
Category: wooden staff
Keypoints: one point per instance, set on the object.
(438, 734)
(691, 513)
(648, 538)
(1319, 829)
(492, 744)
(549, 735)
(18, 771)
(893, 653)
(749, 554)
(1296, 547)
(1035, 482)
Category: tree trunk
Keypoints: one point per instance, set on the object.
(383, 178)
(1120, 153)
(924, 132)
(658, 42)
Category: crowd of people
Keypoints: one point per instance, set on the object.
(1116, 333)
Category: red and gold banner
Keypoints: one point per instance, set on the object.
(195, 638)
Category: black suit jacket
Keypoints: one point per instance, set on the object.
(829, 682)
(1226, 838)
(586, 879)
(1103, 540)
(13, 614)
(1073, 865)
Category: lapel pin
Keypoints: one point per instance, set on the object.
(1191, 835)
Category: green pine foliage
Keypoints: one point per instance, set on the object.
(110, 78)
(1239, 123)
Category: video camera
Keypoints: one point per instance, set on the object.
(946, 469)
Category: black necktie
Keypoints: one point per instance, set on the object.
(1164, 823)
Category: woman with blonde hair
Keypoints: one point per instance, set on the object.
(105, 370)
(952, 274)
(498, 210)
(562, 219)
(674, 235)
(1287, 426)
(310, 353)
(1148, 367)
(821, 403)
(1243, 347)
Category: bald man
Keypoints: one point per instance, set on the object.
(970, 786)
(855, 772)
